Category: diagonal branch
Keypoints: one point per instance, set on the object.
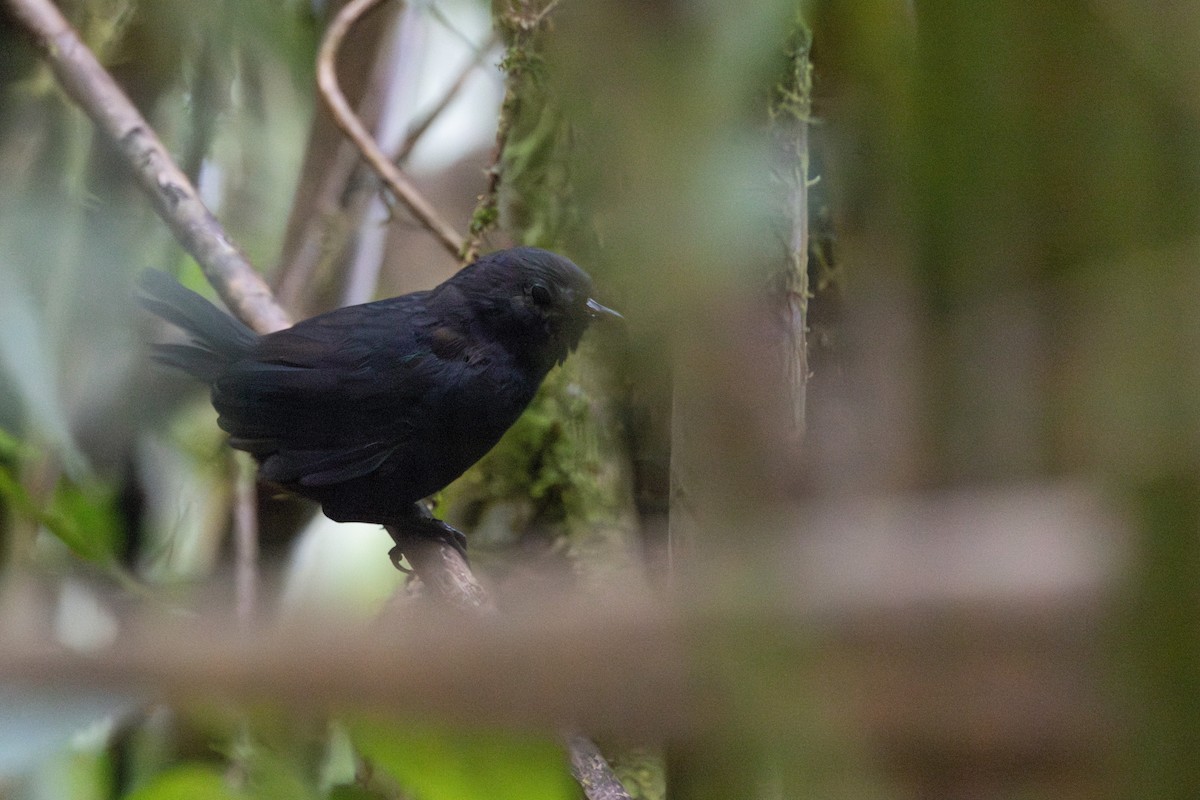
(352, 126)
(87, 83)
(591, 770)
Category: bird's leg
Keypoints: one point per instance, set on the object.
(434, 528)
(421, 523)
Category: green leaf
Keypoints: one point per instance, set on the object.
(187, 782)
(432, 763)
(346, 791)
(14, 493)
(12, 448)
(84, 519)
(82, 516)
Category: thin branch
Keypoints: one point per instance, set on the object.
(245, 540)
(419, 128)
(332, 197)
(591, 770)
(352, 126)
(397, 61)
(87, 83)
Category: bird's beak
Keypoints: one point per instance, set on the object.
(596, 311)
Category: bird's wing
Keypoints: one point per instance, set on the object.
(335, 396)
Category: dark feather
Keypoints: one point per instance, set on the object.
(218, 339)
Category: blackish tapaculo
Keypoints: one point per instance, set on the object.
(370, 408)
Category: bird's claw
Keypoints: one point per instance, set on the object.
(422, 524)
(397, 556)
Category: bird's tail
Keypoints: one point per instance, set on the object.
(217, 338)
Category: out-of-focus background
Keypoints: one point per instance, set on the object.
(889, 486)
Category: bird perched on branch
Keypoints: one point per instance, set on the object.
(371, 408)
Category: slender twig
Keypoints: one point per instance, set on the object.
(421, 126)
(87, 83)
(352, 126)
(331, 200)
(591, 770)
(397, 61)
(245, 540)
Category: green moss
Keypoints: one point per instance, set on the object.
(792, 96)
(642, 773)
(560, 470)
(549, 458)
(80, 513)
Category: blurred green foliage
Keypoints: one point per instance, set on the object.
(187, 782)
(435, 763)
(547, 458)
(81, 516)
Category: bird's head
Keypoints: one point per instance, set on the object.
(538, 300)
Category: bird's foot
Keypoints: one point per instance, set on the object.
(426, 524)
(421, 524)
(450, 535)
(397, 556)
(457, 539)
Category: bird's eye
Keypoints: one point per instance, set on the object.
(540, 294)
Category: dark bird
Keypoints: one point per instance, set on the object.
(371, 408)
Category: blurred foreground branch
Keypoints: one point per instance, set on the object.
(916, 578)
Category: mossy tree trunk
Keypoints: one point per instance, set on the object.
(561, 475)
